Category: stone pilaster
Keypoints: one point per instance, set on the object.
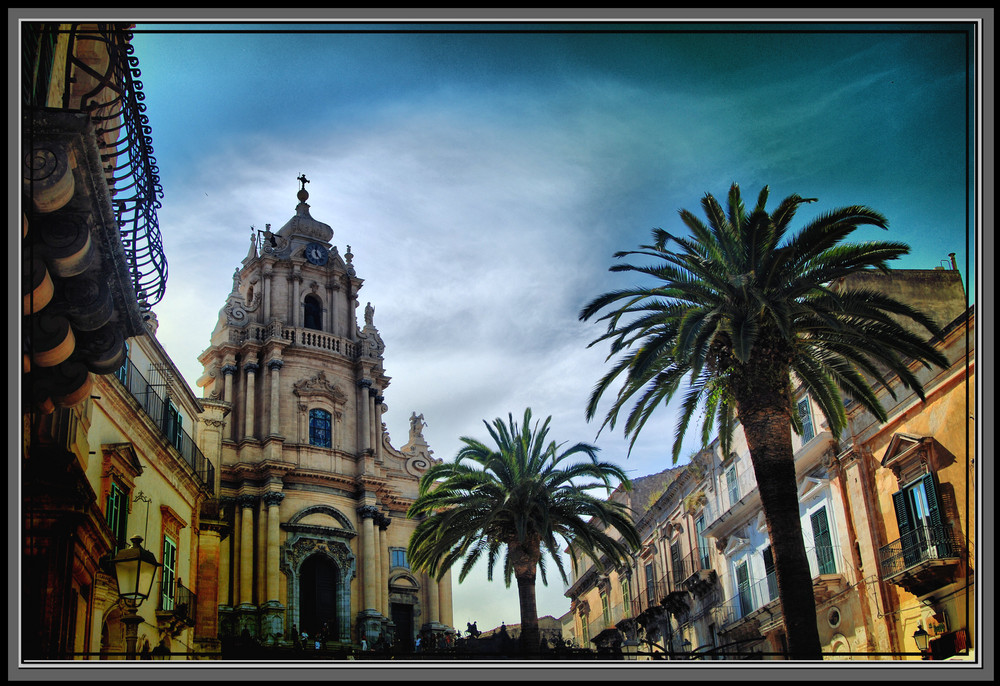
(246, 504)
(275, 366)
(272, 500)
(249, 418)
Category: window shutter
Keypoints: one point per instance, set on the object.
(933, 504)
(902, 513)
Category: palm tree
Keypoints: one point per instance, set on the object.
(520, 498)
(746, 312)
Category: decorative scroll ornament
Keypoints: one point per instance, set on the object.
(318, 385)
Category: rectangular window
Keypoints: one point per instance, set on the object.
(677, 563)
(699, 527)
(117, 514)
(772, 577)
(743, 588)
(605, 609)
(584, 630)
(168, 574)
(922, 530)
(122, 373)
(732, 485)
(824, 543)
(173, 425)
(650, 592)
(626, 597)
(320, 428)
(398, 557)
(805, 414)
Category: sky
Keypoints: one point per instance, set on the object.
(483, 180)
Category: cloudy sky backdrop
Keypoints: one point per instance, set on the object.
(483, 179)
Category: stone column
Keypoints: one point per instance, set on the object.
(383, 542)
(246, 504)
(368, 514)
(364, 420)
(272, 499)
(228, 371)
(296, 278)
(208, 588)
(433, 606)
(248, 421)
(268, 274)
(444, 600)
(377, 423)
(225, 550)
(275, 366)
(236, 538)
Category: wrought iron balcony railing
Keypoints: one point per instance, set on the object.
(923, 544)
(178, 600)
(158, 409)
(90, 68)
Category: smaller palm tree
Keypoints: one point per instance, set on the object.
(519, 500)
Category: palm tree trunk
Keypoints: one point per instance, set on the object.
(530, 636)
(767, 427)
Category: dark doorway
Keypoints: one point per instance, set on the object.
(402, 617)
(318, 597)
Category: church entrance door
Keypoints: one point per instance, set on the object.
(402, 617)
(318, 597)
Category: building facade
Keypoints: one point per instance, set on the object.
(315, 493)
(109, 429)
(887, 512)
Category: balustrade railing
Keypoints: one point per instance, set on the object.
(90, 68)
(920, 545)
(159, 411)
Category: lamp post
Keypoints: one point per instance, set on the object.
(921, 637)
(135, 571)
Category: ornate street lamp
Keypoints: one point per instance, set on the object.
(921, 637)
(135, 571)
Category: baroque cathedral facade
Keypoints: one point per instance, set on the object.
(314, 494)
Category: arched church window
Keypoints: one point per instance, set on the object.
(320, 428)
(313, 318)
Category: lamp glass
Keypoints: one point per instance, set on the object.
(135, 571)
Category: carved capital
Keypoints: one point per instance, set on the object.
(273, 498)
(364, 383)
(368, 512)
(229, 369)
(251, 367)
(275, 364)
(246, 501)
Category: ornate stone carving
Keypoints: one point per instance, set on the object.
(319, 386)
(245, 501)
(275, 364)
(369, 512)
(273, 498)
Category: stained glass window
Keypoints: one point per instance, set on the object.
(320, 428)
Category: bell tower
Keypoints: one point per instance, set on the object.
(315, 491)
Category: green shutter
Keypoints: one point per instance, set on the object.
(933, 505)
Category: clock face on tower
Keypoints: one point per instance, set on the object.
(316, 254)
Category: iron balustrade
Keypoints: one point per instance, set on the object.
(100, 77)
(181, 602)
(915, 547)
(696, 561)
(158, 410)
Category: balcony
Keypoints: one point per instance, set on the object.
(923, 560)
(92, 259)
(695, 572)
(176, 609)
(157, 408)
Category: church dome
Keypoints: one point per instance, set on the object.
(302, 225)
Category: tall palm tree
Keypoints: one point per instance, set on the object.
(746, 312)
(519, 498)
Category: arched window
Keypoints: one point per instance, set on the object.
(313, 318)
(320, 428)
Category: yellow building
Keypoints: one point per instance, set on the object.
(315, 493)
(108, 452)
